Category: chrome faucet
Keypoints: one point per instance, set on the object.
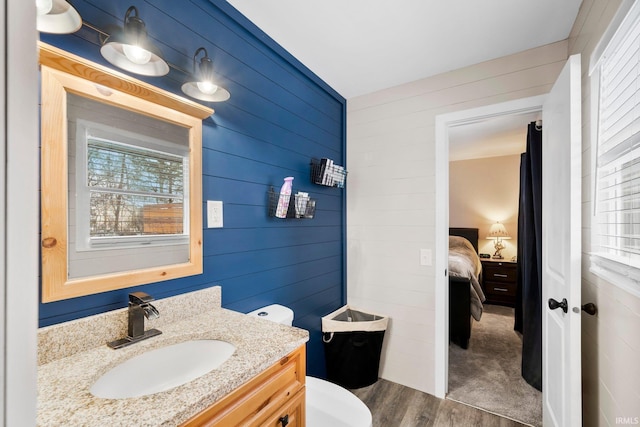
(139, 307)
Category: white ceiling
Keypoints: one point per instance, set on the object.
(361, 46)
(498, 136)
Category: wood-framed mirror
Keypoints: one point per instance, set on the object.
(121, 179)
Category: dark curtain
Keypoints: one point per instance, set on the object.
(521, 241)
(528, 313)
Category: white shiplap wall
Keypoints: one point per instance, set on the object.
(390, 202)
(611, 340)
(390, 150)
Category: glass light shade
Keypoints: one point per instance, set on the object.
(129, 48)
(192, 89)
(498, 231)
(113, 51)
(202, 86)
(207, 87)
(136, 54)
(57, 17)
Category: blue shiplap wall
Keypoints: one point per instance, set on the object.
(279, 116)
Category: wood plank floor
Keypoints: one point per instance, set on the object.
(395, 405)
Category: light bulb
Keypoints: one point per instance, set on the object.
(136, 54)
(44, 6)
(207, 87)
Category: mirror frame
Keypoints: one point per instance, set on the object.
(63, 73)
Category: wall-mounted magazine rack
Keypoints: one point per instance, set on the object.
(325, 172)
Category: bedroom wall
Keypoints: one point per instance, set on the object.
(610, 340)
(483, 191)
(390, 203)
(279, 116)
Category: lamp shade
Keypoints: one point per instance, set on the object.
(129, 48)
(498, 231)
(57, 17)
(202, 85)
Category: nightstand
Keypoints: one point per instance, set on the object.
(499, 281)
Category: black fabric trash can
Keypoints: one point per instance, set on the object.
(352, 346)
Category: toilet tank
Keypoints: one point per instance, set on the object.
(276, 313)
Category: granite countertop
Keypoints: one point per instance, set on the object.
(63, 383)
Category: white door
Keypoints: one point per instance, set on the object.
(561, 249)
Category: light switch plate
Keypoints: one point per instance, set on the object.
(214, 214)
(425, 257)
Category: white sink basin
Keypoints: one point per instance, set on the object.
(162, 369)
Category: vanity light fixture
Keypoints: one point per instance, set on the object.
(57, 17)
(203, 86)
(129, 48)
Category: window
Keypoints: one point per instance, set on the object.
(616, 236)
(131, 193)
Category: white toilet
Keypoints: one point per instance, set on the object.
(328, 405)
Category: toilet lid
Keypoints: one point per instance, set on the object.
(331, 405)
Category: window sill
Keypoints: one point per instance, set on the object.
(617, 273)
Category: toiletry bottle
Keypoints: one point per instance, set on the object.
(283, 200)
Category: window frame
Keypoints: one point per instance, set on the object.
(63, 73)
(615, 270)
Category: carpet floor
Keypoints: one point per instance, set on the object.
(487, 374)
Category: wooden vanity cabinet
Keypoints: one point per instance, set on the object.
(274, 398)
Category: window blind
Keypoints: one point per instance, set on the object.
(618, 150)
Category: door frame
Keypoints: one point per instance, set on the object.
(19, 219)
(442, 125)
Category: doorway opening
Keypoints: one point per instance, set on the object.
(497, 322)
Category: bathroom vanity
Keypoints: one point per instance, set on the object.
(261, 383)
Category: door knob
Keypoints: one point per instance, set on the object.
(590, 308)
(553, 304)
(284, 421)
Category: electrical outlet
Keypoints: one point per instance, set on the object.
(425, 257)
(214, 214)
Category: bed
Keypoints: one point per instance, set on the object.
(465, 293)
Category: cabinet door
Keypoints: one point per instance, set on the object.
(292, 414)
